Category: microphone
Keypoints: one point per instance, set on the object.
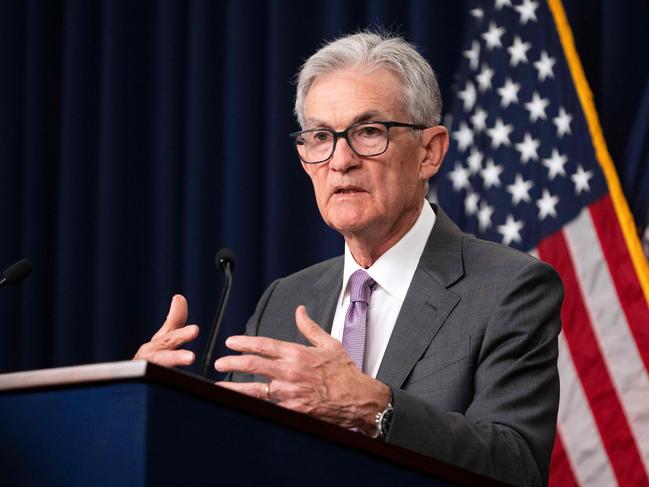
(224, 260)
(15, 273)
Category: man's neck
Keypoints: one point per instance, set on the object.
(366, 247)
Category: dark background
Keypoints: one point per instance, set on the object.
(138, 137)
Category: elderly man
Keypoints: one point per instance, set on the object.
(419, 335)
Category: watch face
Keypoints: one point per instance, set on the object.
(386, 421)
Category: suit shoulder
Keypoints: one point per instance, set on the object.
(491, 256)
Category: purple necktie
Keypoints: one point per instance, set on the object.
(360, 284)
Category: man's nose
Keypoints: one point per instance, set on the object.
(343, 158)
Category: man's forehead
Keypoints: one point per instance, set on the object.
(355, 95)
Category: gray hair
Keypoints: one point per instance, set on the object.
(423, 101)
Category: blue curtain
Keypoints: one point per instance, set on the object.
(136, 138)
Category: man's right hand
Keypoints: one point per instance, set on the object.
(163, 347)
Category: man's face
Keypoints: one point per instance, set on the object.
(366, 196)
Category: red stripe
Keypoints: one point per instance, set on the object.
(591, 369)
(561, 474)
(623, 273)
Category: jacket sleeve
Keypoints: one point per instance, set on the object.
(251, 330)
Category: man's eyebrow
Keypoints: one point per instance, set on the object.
(363, 117)
(314, 122)
(367, 116)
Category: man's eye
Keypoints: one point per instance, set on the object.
(319, 137)
(370, 131)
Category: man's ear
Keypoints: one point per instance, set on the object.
(435, 144)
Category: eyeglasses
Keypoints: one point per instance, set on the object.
(366, 139)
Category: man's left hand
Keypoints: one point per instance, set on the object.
(320, 380)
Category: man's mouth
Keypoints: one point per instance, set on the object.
(342, 190)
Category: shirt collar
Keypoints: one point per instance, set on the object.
(394, 270)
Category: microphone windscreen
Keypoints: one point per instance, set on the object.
(224, 256)
(17, 272)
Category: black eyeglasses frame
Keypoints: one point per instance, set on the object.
(344, 134)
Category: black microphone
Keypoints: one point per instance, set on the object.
(15, 273)
(224, 260)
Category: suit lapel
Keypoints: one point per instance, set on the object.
(427, 303)
(321, 305)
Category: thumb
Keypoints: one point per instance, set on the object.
(309, 328)
(177, 316)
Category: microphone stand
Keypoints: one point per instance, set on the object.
(218, 318)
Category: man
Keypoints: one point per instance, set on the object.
(449, 343)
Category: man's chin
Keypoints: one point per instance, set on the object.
(349, 224)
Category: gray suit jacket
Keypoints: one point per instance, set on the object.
(472, 358)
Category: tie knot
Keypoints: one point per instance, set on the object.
(360, 284)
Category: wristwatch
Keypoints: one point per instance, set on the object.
(383, 420)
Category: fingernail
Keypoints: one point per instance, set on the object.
(217, 364)
(189, 356)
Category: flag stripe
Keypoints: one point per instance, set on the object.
(581, 438)
(611, 329)
(623, 274)
(602, 155)
(589, 364)
(561, 474)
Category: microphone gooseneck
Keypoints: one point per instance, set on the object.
(224, 260)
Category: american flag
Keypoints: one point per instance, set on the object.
(528, 167)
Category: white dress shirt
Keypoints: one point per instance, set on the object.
(392, 272)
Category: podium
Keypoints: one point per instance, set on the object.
(139, 424)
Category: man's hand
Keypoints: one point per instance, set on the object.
(162, 349)
(320, 380)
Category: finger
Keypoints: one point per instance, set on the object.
(253, 389)
(249, 364)
(177, 315)
(266, 347)
(175, 338)
(309, 328)
(168, 358)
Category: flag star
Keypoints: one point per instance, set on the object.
(498, 4)
(475, 161)
(484, 216)
(520, 190)
(493, 35)
(471, 203)
(511, 230)
(463, 136)
(580, 179)
(518, 51)
(537, 107)
(528, 148)
(562, 121)
(484, 78)
(555, 164)
(491, 174)
(468, 95)
(459, 176)
(544, 66)
(547, 205)
(479, 120)
(508, 93)
(527, 11)
(473, 55)
(478, 13)
(499, 134)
